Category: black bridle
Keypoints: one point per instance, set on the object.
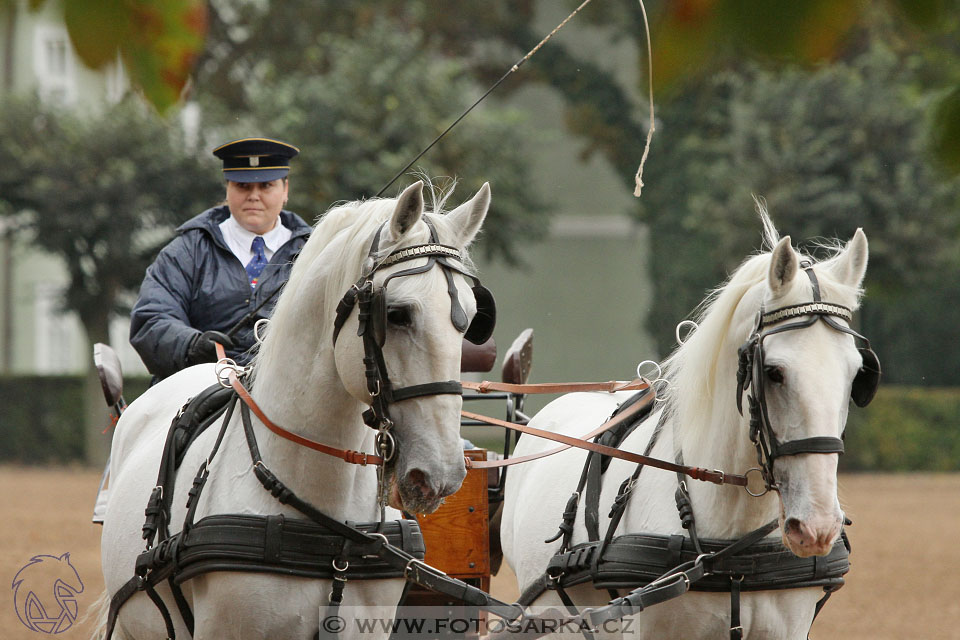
(751, 368)
(371, 303)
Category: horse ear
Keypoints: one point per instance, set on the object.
(408, 211)
(783, 267)
(467, 219)
(850, 266)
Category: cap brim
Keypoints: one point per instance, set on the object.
(255, 175)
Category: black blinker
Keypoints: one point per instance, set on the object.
(481, 329)
(868, 378)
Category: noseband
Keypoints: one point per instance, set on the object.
(371, 303)
(751, 369)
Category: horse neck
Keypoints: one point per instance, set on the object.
(298, 388)
(710, 432)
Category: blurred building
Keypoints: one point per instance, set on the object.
(36, 56)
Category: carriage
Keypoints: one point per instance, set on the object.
(776, 321)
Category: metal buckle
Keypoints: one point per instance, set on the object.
(385, 541)
(421, 565)
(672, 576)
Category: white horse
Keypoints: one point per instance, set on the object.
(809, 374)
(315, 388)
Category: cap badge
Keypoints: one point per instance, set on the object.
(254, 161)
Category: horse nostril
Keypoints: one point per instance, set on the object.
(421, 481)
(791, 525)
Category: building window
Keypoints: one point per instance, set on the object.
(54, 64)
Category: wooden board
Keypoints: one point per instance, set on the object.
(457, 535)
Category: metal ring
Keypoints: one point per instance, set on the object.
(683, 323)
(746, 487)
(388, 452)
(262, 322)
(346, 565)
(659, 370)
(222, 369)
(659, 385)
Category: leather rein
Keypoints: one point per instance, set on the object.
(228, 377)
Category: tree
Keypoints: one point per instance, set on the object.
(831, 150)
(103, 193)
(360, 118)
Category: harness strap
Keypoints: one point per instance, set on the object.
(675, 582)
(631, 412)
(353, 457)
(697, 473)
(612, 386)
(736, 629)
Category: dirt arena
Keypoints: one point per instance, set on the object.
(903, 583)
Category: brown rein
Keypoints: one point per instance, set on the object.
(697, 473)
(556, 387)
(363, 459)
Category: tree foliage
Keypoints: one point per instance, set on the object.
(831, 150)
(361, 108)
(103, 193)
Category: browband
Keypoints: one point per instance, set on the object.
(805, 309)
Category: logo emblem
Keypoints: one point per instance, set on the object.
(45, 594)
(254, 161)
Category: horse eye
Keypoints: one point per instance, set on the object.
(774, 374)
(399, 316)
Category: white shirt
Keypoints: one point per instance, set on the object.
(240, 240)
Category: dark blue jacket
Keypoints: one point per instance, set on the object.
(196, 284)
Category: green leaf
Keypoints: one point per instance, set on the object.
(96, 29)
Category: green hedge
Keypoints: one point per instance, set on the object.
(904, 429)
(41, 417)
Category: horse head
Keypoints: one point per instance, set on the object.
(800, 366)
(422, 307)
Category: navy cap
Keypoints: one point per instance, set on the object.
(255, 159)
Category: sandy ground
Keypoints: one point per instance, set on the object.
(903, 584)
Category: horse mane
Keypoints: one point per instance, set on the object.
(333, 257)
(701, 372)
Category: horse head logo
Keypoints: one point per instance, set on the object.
(45, 594)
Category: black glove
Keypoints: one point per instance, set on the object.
(201, 348)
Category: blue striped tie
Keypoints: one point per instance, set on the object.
(259, 261)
